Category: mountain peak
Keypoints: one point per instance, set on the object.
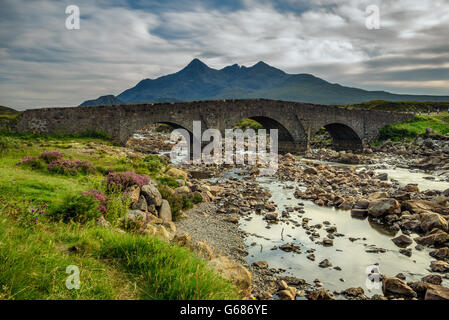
(196, 63)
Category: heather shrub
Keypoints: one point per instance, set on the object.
(121, 181)
(100, 197)
(69, 167)
(50, 156)
(32, 162)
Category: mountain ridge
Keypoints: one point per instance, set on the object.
(197, 81)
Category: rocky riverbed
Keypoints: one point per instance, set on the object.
(327, 223)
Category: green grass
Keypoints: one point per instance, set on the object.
(416, 127)
(113, 265)
(401, 106)
(248, 124)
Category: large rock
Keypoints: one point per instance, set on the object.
(434, 238)
(182, 190)
(157, 231)
(141, 204)
(433, 279)
(440, 254)
(321, 294)
(418, 206)
(135, 220)
(431, 220)
(310, 170)
(436, 292)
(395, 286)
(134, 194)
(152, 195)
(177, 173)
(384, 206)
(234, 272)
(402, 241)
(439, 266)
(182, 238)
(165, 211)
(202, 249)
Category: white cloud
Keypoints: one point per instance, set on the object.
(43, 64)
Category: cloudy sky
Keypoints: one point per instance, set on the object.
(121, 42)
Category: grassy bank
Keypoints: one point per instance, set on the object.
(439, 123)
(36, 248)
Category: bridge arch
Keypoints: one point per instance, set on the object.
(344, 137)
(291, 134)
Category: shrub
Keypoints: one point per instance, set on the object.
(120, 181)
(69, 167)
(50, 156)
(179, 202)
(100, 197)
(77, 208)
(154, 163)
(31, 162)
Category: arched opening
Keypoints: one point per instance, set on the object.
(339, 136)
(286, 142)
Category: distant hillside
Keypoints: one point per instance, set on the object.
(402, 106)
(108, 100)
(199, 82)
(8, 111)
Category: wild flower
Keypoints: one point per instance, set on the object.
(26, 212)
(100, 197)
(30, 161)
(123, 180)
(50, 156)
(69, 167)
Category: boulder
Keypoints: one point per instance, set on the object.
(135, 220)
(133, 194)
(202, 249)
(418, 206)
(440, 254)
(384, 206)
(310, 170)
(141, 204)
(182, 190)
(439, 237)
(402, 241)
(261, 264)
(395, 286)
(411, 188)
(436, 292)
(439, 266)
(182, 238)
(234, 272)
(377, 195)
(431, 220)
(165, 211)
(152, 195)
(433, 279)
(177, 173)
(353, 292)
(321, 294)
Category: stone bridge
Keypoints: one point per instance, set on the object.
(296, 121)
